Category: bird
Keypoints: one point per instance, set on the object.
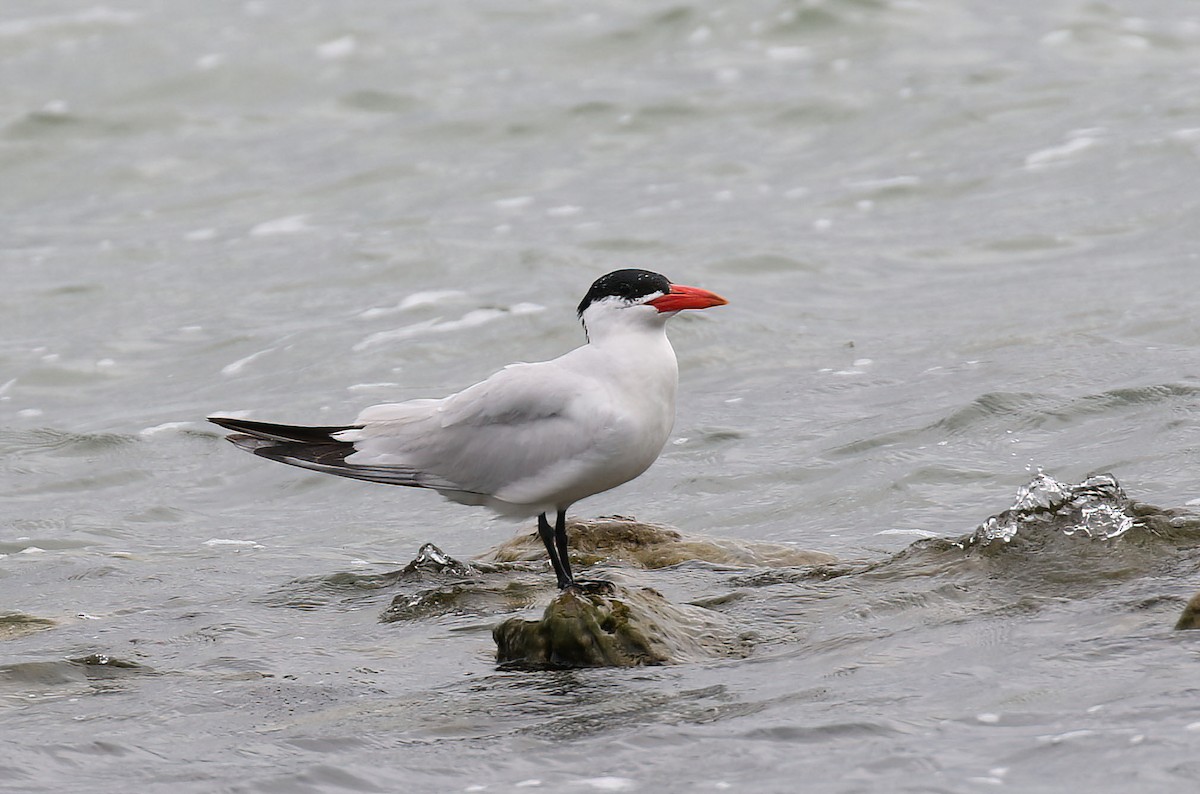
(531, 439)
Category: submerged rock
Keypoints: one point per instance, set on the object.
(597, 625)
(610, 625)
(437, 584)
(1190, 619)
(617, 539)
(432, 560)
(464, 598)
(18, 624)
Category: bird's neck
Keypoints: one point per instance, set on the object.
(639, 353)
(641, 331)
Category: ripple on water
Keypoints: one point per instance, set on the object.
(94, 673)
(1028, 410)
(59, 442)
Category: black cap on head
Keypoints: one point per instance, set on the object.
(630, 284)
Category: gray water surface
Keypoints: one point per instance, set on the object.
(959, 244)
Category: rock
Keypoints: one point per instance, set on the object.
(435, 583)
(1190, 619)
(610, 625)
(597, 624)
(432, 560)
(617, 539)
(17, 624)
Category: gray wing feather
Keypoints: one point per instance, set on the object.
(517, 424)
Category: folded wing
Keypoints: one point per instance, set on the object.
(317, 449)
(517, 436)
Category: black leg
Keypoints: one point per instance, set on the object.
(562, 569)
(560, 541)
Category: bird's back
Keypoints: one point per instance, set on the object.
(532, 436)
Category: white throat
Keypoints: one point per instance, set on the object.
(613, 318)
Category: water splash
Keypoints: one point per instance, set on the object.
(1096, 508)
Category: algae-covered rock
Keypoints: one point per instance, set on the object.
(609, 625)
(1190, 619)
(596, 624)
(435, 583)
(478, 597)
(432, 560)
(17, 624)
(625, 540)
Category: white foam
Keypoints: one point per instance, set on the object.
(1188, 135)
(471, 319)
(993, 781)
(919, 533)
(92, 16)
(1056, 38)
(427, 298)
(210, 61)
(215, 542)
(165, 427)
(788, 54)
(727, 75)
(430, 297)
(372, 386)
(56, 107)
(608, 783)
(337, 48)
(514, 203)
(241, 363)
(526, 308)
(287, 225)
(1059, 738)
(1053, 154)
(884, 183)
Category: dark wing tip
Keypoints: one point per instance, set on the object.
(276, 432)
(315, 449)
(249, 443)
(228, 424)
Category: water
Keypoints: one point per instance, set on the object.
(959, 246)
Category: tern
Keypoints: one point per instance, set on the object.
(532, 439)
